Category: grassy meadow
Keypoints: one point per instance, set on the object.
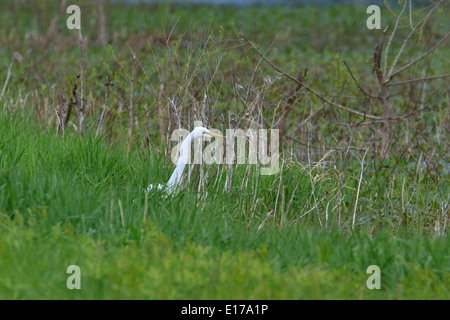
(85, 127)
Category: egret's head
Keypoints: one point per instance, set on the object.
(202, 131)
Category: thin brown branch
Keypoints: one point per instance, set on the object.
(403, 118)
(418, 80)
(377, 59)
(131, 106)
(391, 37)
(51, 31)
(7, 80)
(80, 110)
(440, 42)
(102, 35)
(410, 15)
(399, 53)
(320, 96)
(356, 82)
(108, 83)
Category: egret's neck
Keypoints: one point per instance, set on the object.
(183, 159)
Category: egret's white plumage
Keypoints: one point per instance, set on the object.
(175, 179)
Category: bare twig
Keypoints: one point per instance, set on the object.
(418, 80)
(108, 83)
(359, 187)
(391, 37)
(131, 107)
(53, 24)
(410, 15)
(399, 53)
(6, 81)
(254, 72)
(279, 186)
(440, 42)
(356, 82)
(320, 96)
(102, 37)
(80, 110)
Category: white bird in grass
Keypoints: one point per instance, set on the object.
(175, 179)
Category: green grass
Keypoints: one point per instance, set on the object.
(308, 232)
(56, 193)
(158, 269)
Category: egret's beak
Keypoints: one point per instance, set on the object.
(216, 135)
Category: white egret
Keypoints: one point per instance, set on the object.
(175, 179)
